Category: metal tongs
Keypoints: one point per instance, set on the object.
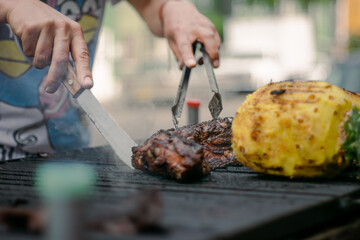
(215, 104)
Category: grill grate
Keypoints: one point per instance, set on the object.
(232, 203)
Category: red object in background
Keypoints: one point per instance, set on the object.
(193, 103)
(193, 111)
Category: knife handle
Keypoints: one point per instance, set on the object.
(71, 82)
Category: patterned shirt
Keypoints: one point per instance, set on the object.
(32, 120)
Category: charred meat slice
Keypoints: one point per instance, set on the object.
(174, 157)
(23, 219)
(141, 212)
(188, 153)
(215, 137)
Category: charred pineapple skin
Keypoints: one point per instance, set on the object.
(294, 129)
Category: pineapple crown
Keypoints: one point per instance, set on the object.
(352, 142)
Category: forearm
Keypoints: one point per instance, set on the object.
(149, 11)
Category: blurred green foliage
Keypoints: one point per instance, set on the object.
(354, 43)
(217, 19)
(268, 3)
(218, 10)
(272, 3)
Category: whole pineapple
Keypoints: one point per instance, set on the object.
(296, 129)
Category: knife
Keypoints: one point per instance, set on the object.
(117, 138)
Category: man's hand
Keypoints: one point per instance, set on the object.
(182, 26)
(48, 36)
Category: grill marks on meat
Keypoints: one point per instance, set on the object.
(215, 137)
(188, 153)
(171, 156)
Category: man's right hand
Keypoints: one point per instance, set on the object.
(48, 36)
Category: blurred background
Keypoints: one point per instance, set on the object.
(136, 74)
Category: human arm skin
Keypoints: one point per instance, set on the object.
(48, 37)
(182, 25)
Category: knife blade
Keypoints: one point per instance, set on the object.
(117, 138)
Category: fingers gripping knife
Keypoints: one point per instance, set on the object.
(117, 138)
(215, 104)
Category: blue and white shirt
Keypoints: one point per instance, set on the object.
(32, 120)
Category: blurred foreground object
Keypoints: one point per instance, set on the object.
(23, 219)
(65, 188)
(297, 129)
(140, 212)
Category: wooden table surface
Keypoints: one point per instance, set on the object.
(231, 203)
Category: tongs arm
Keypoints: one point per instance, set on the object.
(178, 105)
(215, 104)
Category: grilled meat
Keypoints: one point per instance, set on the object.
(294, 129)
(215, 137)
(173, 157)
(141, 212)
(187, 153)
(23, 219)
